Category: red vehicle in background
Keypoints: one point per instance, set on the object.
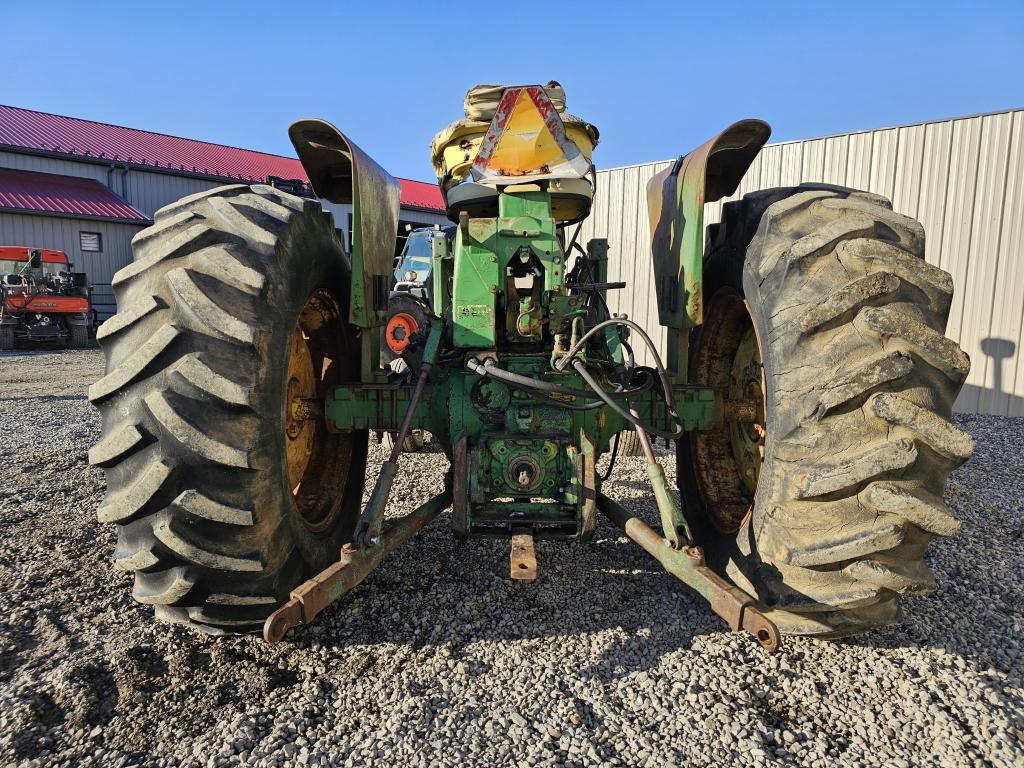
(42, 300)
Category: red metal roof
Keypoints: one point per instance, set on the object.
(421, 194)
(68, 195)
(33, 131)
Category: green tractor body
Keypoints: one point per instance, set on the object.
(504, 295)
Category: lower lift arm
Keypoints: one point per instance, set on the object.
(675, 551)
(353, 566)
(687, 564)
(371, 544)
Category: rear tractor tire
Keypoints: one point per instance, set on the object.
(629, 444)
(6, 338)
(226, 492)
(821, 309)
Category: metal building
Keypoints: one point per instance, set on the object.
(963, 178)
(86, 188)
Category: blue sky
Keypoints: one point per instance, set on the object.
(657, 79)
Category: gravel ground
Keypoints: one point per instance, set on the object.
(439, 659)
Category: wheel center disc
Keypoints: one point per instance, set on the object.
(399, 330)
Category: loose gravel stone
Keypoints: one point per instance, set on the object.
(439, 659)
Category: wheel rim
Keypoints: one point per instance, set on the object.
(727, 460)
(299, 430)
(317, 460)
(747, 385)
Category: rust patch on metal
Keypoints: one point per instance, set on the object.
(523, 558)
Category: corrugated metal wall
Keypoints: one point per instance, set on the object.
(23, 162)
(147, 191)
(962, 178)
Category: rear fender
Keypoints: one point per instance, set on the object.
(675, 207)
(340, 172)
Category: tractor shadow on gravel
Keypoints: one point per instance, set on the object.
(438, 593)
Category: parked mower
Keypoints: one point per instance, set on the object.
(806, 385)
(42, 300)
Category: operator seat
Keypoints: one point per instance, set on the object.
(571, 199)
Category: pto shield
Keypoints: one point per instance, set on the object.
(526, 141)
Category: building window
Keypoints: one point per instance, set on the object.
(91, 241)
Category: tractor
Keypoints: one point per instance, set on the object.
(41, 300)
(806, 383)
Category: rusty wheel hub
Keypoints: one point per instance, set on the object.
(317, 459)
(728, 460)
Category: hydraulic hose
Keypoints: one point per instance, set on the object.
(630, 357)
(529, 383)
(575, 348)
(581, 369)
(611, 461)
(491, 370)
(591, 405)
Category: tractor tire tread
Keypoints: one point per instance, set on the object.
(181, 401)
(860, 387)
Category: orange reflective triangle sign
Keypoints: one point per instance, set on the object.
(526, 140)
